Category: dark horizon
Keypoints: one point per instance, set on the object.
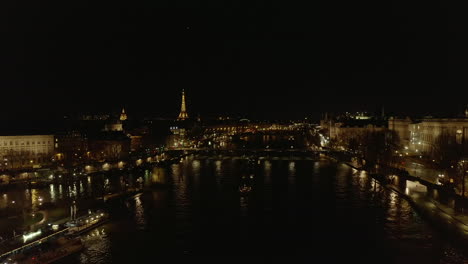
(250, 110)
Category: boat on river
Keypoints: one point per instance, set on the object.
(48, 252)
(246, 184)
(54, 242)
(244, 190)
(87, 222)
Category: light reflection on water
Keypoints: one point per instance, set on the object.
(218, 174)
(3, 200)
(267, 172)
(97, 248)
(218, 167)
(82, 190)
(52, 193)
(140, 219)
(60, 191)
(295, 205)
(158, 175)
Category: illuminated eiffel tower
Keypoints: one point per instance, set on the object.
(183, 110)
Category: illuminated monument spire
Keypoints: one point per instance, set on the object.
(183, 111)
(123, 115)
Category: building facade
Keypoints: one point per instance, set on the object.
(71, 147)
(109, 146)
(341, 130)
(26, 151)
(419, 137)
(402, 128)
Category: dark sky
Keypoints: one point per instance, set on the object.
(263, 58)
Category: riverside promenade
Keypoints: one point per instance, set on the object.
(433, 204)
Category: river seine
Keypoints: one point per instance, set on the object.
(298, 210)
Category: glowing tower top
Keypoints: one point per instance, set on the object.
(183, 110)
(123, 115)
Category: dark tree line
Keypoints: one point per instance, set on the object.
(450, 151)
(371, 147)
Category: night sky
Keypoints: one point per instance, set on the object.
(268, 59)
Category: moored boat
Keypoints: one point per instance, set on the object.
(47, 253)
(87, 222)
(66, 246)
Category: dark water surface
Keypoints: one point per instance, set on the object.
(301, 210)
(298, 211)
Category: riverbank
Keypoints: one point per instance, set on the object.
(422, 196)
(21, 178)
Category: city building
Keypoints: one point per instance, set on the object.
(93, 117)
(178, 136)
(138, 137)
(347, 125)
(420, 136)
(401, 126)
(26, 151)
(176, 130)
(114, 125)
(71, 147)
(108, 146)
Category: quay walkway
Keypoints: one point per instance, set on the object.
(426, 200)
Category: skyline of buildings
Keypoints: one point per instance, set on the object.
(114, 135)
